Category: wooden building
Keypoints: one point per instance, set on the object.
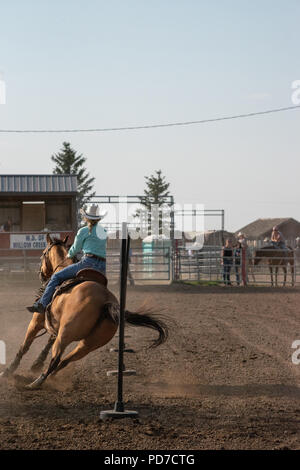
(31, 206)
(261, 229)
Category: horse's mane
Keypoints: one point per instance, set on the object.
(57, 241)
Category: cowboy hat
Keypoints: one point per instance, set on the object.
(241, 234)
(92, 212)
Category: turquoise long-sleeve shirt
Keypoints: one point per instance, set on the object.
(93, 242)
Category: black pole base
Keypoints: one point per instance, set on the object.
(127, 350)
(118, 414)
(112, 373)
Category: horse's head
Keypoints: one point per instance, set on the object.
(53, 255)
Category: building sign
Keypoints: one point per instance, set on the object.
(30, 241)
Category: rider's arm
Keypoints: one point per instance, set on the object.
(78, 243)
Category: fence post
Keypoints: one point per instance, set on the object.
(244, 267)
(295, 270)
(25, 263)
(198, 265)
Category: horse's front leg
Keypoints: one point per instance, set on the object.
(284, 277)
(36, 324)
(271, 274)
(276, 276)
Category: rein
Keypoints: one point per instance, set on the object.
(60, 265)
(45, 255)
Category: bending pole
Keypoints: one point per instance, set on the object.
(119, 411)
(119, 405)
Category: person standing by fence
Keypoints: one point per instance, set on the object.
(227, 261)
(237, 261)
(244, 257)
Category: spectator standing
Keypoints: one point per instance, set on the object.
(7, 225)
(237, 261)
(245, 255)
(227, 260)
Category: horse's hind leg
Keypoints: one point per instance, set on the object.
(57, 349)
(284, 276)
(293, 274)
(100, 335)
(36, 324)
(39, 362)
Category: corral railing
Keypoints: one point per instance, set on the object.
(20, 264)
(207, 265)
(144, 266)
(159, 264)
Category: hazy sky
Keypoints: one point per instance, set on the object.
(91, 64)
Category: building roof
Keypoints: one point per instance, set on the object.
(260, 227)
(38, 184)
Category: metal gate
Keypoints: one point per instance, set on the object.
(206, 265)
(143, 266)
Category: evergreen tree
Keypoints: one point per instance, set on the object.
(69, 163)
(156, 192)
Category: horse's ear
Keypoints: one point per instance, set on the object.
(49, 239)
(65, 239)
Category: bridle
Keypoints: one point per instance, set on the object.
(45, 257)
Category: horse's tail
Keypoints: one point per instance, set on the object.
(143, 317)
(148, 319)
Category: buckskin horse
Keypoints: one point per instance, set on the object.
(276, 258)
(82, 310)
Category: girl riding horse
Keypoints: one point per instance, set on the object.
(90, 239)
(87, 313)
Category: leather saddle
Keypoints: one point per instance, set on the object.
(89, 274)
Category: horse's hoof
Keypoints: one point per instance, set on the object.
(36, 384)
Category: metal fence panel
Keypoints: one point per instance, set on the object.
(206, 265)
(143, 266)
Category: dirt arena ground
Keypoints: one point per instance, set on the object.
(224, 380)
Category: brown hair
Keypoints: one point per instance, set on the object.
(91, 223)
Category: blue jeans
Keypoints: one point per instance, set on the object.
(280, 245)
(227, 264)
(68, 273)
